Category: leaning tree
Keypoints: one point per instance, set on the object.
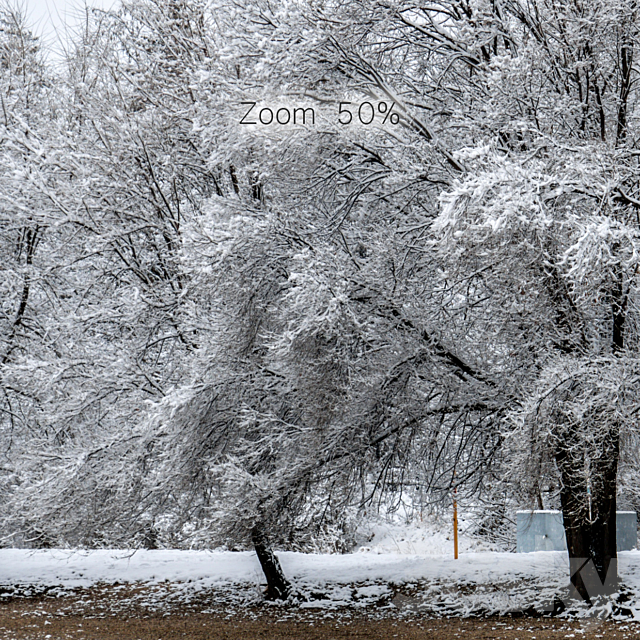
(526, 109)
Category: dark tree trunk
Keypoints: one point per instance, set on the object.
(626, 65)
(278, 587)
(590, 526)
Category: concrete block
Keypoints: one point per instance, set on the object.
(544, 531)
(626, 530)
(540, 531)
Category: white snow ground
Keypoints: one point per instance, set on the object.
(86, 568)
(401, 568)
(483, 581)
(395, 552)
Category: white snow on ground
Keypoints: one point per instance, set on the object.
(84, 568)
(395, 551)
(410, 568)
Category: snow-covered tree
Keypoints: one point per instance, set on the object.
(124, 176)
(321, 314)
(558, 279)
(324, 377)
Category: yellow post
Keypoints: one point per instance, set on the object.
(455, 526)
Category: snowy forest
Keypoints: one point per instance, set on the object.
(270, 268)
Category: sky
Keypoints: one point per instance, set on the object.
(49, 17)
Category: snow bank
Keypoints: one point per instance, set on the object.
(394, 552)
(487, 581)
(84, 568)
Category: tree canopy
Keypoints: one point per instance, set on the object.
(215, 332)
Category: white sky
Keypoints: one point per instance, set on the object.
(49, 17)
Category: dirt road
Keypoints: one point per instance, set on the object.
(52, 619)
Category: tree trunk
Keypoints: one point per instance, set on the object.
(590, 526)
(278, 587)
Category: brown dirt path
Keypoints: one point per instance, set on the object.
(41, 619)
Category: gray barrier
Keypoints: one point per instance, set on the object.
(544, 531)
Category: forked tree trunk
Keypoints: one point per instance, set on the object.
(591, 537)
(278, 587)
